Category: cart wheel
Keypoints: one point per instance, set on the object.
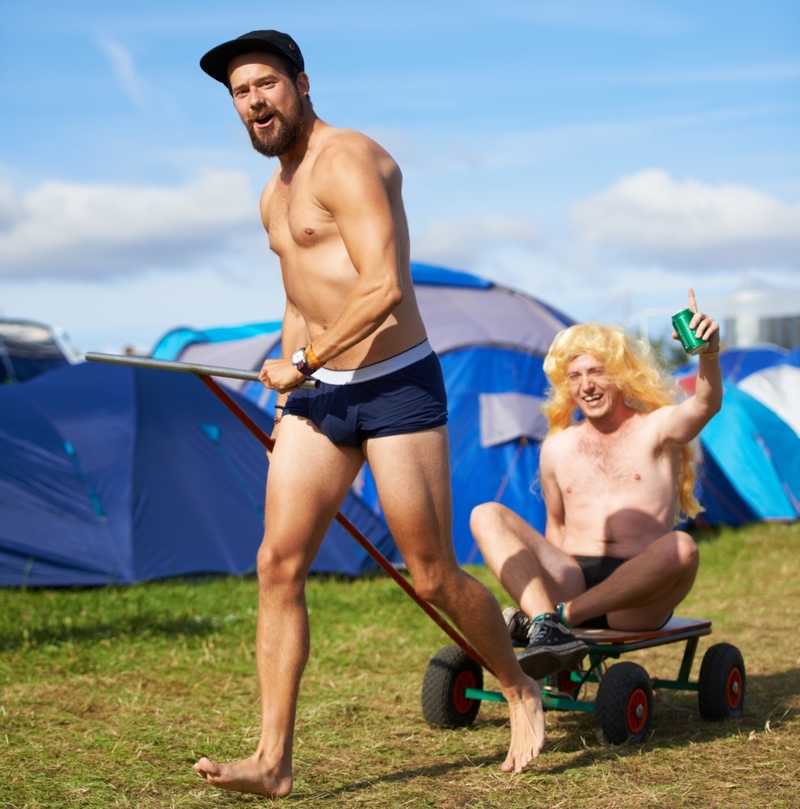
(624, 705)
(722, 683)
(562, 682)
(449, 674)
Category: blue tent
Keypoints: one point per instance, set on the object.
(749, 467)
(739, 362)
(491, 341)
(751, 464)
(28, 349)
(116, 475)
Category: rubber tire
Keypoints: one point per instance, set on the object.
(450, 671)
(623, 687)
(722, 666)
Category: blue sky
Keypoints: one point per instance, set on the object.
(599, 155)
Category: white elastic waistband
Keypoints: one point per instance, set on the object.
(376, 370)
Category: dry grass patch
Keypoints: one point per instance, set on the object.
(108, 696)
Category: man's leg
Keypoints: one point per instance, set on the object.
(535, 573)
(413, 478)
(308, 479)
(642, 593)
(539, 576)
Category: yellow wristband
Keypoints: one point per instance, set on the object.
(312, 360)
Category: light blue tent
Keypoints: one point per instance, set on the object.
(491, 341)
(751, 468)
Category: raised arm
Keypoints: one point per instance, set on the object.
(684, 422)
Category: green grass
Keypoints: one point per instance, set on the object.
(108, 696)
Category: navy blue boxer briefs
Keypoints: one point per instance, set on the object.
(407, 400)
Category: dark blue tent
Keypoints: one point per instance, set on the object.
(739, 362)
(28, 349)
(115, 475)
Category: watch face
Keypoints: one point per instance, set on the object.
(298, 356)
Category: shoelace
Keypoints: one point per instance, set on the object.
(541, 631)
(521, 625)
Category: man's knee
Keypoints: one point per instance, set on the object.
(433, 581)
(485, 519)
(275, 567)
(687, 554)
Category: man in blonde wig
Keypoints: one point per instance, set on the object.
(614, 484)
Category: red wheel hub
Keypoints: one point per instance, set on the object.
(462, 703)
(733, 688)
(565, 684)
(637, 711)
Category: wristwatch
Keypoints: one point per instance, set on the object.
(301, 363)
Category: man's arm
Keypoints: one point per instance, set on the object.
(684, 422)
(553, 498)
(293, 334)
(351, 183)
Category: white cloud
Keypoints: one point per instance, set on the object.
(123, 67)
(70, 230)
(650, 216)
(459, 242)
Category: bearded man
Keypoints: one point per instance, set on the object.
(614, 484)
(334, 214)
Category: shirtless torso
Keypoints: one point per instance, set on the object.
(613, 494)
(319, 276)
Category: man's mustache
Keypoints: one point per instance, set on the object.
(261, 111)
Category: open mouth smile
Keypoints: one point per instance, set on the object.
(263, 121)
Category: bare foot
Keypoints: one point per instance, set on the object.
(527, 725)
(248, 775)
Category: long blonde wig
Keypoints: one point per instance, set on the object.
(630, 364)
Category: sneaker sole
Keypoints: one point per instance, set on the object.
(540, 663)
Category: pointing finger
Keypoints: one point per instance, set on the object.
(692, 301)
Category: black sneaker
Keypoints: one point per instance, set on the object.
(551, 647)
(519, 625)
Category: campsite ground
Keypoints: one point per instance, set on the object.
(107, 696)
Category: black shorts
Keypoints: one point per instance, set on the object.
(596, 569)
(408, 400)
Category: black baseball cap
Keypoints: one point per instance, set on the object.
(216, 61)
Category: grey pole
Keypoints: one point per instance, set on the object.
(184, 367)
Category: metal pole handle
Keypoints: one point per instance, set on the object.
(185, 367)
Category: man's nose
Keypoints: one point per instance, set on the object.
(254, 99)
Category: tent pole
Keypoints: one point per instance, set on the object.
(381, 560)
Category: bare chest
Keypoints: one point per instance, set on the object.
(613, 468)
(293, 219)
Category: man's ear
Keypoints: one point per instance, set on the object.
(303, 85)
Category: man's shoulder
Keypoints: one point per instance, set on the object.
(557, 442)
(337, 144)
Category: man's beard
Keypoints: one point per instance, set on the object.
(282, 135)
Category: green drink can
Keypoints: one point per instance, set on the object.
(681, 321)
